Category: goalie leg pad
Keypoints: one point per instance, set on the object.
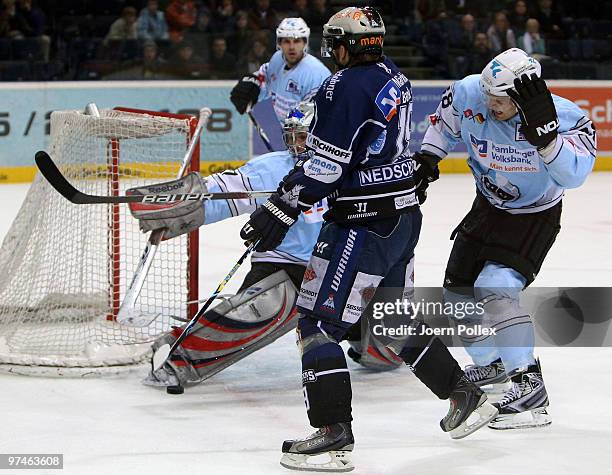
(237, 327)
(369, 352)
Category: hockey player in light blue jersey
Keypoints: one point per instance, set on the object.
(292, 75)
(525, 148)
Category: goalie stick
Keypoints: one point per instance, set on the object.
(127, 314)
(58, 181)
(165, 351)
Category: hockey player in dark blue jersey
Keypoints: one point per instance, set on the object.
(361, 162)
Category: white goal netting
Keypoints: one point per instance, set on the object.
(64, 268)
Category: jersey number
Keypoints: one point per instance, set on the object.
(403, 134)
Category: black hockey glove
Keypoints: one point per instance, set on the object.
(537, 110)
(245, 93)
(425, 172)
(270, 223)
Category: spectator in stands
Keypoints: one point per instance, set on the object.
(467, 33)
(203, 20)
(549, 16)
(262, 16)
(124, 28)
(480, 55)
(435, 44)
(181, 15)
(151, 24)
(12, 24)
(318, 16)
(239, 42)
(299, 9)
(257, 55)
(518, 17)
(152, 65)
(427, 10)
(532, 42)
(223, 20)
(223, 63)
(501, 36)
(32, 23)
(184, 62)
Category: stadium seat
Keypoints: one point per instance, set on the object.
(27, 49)
(15, 71)
(5, 49)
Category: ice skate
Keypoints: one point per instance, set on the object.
(491, 378)
(326, 450)
(525, 404)
(467, 400)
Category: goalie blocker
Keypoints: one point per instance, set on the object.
(178, 217)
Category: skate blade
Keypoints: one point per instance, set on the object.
(333, 461)
(485, 412)
(522, 420)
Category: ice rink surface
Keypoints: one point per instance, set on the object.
(236, 421)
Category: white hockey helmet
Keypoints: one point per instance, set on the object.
(498, 76)
(292, 28)
(296, 126)
(359, 29)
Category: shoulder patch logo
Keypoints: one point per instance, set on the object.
(293, 87)
(387, 100)
(468, 114)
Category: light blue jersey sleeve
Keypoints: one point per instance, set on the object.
(572, 157)
(287, 87)
(265, 172)
(444, 131)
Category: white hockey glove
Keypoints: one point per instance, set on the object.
(177, 218)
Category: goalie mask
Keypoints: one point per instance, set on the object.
(295, 128)
(360, 29)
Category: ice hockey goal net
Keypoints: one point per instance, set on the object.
(65, 267)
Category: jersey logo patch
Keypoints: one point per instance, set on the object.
(387, 100)
(479, 146)
(468, 114)
(293, 87)
(375, 147)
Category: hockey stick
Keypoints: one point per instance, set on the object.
(58, 181)
(127, 315)
(164, 351)
(260, 131)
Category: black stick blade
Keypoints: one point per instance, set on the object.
(55, 178)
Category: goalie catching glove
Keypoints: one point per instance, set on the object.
(537, 110)
(269, 223)
(245, 93)
(177, 218)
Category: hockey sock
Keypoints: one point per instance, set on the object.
(325, 377)
(431, 362)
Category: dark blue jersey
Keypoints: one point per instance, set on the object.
(359, 141)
